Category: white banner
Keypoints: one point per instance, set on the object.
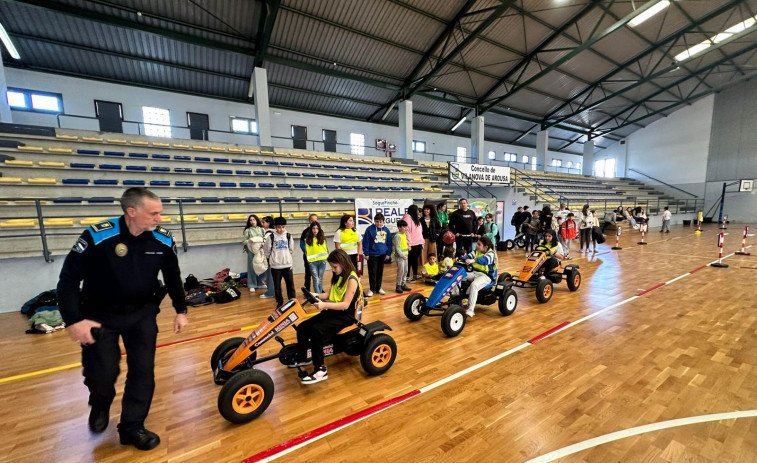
(367, 208)
(480, 173)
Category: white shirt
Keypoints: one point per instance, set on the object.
(666, 215)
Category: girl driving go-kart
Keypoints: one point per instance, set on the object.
(554, 249)
(484, 271)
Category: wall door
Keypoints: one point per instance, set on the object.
(198, 126)
(110, 116)
(329, 141)
(299, 137)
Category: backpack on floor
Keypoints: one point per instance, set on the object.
(227, 295)
(191, 283)
(197, 298)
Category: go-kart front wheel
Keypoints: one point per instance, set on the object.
(508, 302)
(413, 305)
(453, 320)
(245, 396)
(574, 280)
(378, 354)
(503, 277)
(224, 349)
(544, 290)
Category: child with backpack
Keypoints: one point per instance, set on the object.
(568, 233)
(279, 247)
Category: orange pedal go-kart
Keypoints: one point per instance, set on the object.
(248, 391)
(532, 275)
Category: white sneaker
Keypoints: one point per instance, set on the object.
(369, 293)
(469, 313)
(381, 291)
(263, 296)
(316, 377)
(252, 290)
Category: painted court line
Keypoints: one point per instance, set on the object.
(303, 440)
(652, 427)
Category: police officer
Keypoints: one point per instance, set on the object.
(119, 260)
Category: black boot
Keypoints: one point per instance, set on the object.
(98, 419)
(140, 438)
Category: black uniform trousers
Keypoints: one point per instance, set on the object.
(464, 242)
(317, 331)
(288, 276)
(100, 362)
(308, 275)
(376, 272)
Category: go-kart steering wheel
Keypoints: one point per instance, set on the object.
(544, 249)
(310, 297)
(468, 267)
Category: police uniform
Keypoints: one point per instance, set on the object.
(121, 291)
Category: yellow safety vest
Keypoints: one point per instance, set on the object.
(349, 239)
(552, 249)
(403, 244)
(488, 269)
(316, 252)
(431, 270)
(337, 295)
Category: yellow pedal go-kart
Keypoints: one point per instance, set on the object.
(247, 391)
(533, 276)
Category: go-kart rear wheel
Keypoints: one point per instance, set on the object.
(453, 321)
(378, 354)
(225, 348)
(574, 280)
(245, 396)
(413, 305)
(509, 244)
(521, 242)
(508, 302)
(544, 290)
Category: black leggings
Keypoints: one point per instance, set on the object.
(585, 238)
(316, 331)
(550, 264)
(412, 259)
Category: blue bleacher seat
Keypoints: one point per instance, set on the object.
(243, 172)
(202, 159)
(286, 164)
(322, 175)
(101, 199)
(68, 199)
(358, 187)
(283, 185)
(143, 168)
(415, 188)
(182, 158)
(204, 171)
(255, 162)
(220, 159)
(188, 200)
(375, 178)
(271, 199)
(137, 155)
(372, 188)
(246, 185)
(265, 185)
(160, 183)
(336, 176)
(253, 199)
(407, 188)
(364, 168)
(161, 156)
(132, 182)
(232, 199)
(271, 163)
(206, 184)
(316, 186)
(326, 200)
(308, 200)
(277, 174)
(316, 166)
(259, 172)
(160, 169)
(308, 174)
(301, 186)
(384, 188)
(362, 177)
(329, 166)
(301, 164)
(81, 165)
(110, 166)
(93, 152)
(291, 200)
(228, 185)
(293, 174)
(342, 200)
(114, 153)
(209, 199)
(107, 182)
(186, 170)
(350, 177)
(345, 187)
(351, 168)
(395, 188)
(165, 200)
(224, 171)
(239, 161)
(184, 183)
(75, 181)
(331, 187)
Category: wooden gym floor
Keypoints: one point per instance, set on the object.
(648, 353)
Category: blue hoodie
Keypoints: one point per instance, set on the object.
(377, 241)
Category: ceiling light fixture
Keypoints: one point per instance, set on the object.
(8, 43)
(661, 5)
(724, 36)
(459, 123)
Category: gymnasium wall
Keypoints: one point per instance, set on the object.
(79, 95)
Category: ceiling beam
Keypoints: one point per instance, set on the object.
(270, 10)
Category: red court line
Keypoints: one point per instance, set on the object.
(234, 330)
(698, 269)
(400, 295)
(308, 436)
(651, 289)
(547, 333)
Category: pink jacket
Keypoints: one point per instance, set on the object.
(414, 232)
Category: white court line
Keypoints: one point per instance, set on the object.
(587, 444)
(677, 278)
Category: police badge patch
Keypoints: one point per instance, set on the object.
(121, 250)
(80, 245)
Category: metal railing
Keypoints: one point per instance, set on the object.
(664, 183)
(524, 180)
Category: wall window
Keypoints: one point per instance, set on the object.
(524, 159)
(569, 165)
(157, 121)
(491, 155)
(30, 100)
(533, 162)
(244, 125)
(419, 146)
(578, 165)
(462, 154)
(604, 168)
(511, 157)
(557, 162)
(357, 143)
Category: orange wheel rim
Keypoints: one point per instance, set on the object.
(577, 280)
(247, 399)
(381, 355)
(547, 291)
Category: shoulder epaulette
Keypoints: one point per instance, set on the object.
(163, 235)
(101, 231)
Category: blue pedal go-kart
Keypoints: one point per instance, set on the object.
(442, 302)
